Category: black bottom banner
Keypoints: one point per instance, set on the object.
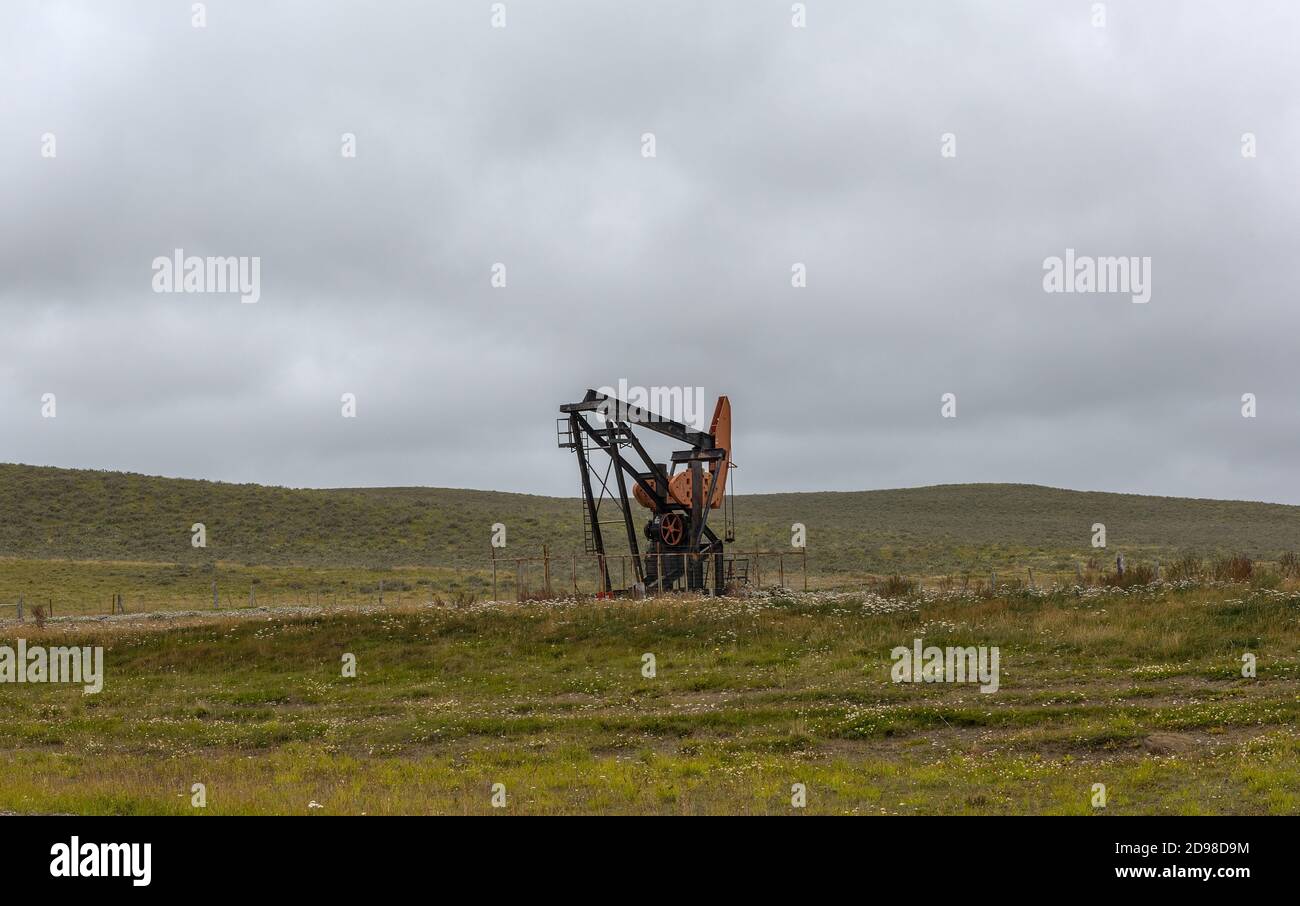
(140, 856)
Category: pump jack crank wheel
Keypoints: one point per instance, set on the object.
(672, 529)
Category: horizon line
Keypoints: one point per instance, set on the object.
(417, 487)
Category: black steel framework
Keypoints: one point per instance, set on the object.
(680, 542)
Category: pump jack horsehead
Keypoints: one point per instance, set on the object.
(680, 542)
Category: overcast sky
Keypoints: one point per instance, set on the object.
(774, 145)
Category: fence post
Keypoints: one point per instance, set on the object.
(805, 569)
(216, 602)
(494, 574)
(1031, 578)
(1119, 565)
(546, 569)
(381, 592)
(21, 618)
(252, 596)
(781, 568)
(575, 575)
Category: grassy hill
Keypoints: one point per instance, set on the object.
(48, 513)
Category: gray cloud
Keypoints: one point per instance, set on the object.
(775, 145)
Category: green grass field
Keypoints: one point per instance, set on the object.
(1140, 690)
(1136, 688)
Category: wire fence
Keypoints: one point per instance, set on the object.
(498, 577)
(549, 576)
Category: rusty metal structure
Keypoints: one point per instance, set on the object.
(682, 550)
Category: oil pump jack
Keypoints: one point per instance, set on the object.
(680, 542)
